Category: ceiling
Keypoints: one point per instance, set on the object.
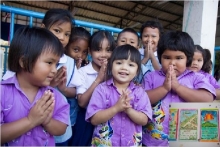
(119, 14)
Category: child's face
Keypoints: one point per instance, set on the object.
(98, 56)
(124, 71)
(197, 62)
(62, 32)
(152, 36)
(44, 69)
(128, 38)
(176, 58)
(78, 49)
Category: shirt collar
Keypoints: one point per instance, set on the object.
(110, 82)
(14, 81)
(91, 70)
(63, 59)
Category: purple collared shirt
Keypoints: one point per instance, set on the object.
(156, 132)
(119, 130)
(211, 79)
(15, 105)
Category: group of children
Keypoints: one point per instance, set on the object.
(55, 96)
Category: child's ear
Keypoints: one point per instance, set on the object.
(42, 25)
(21, 62)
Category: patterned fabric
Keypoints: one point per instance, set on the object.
(156, 132)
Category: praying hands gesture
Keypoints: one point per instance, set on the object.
(171, 82)
(123, 102)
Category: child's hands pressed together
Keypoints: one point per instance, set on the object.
(123, 102)
(43, 109)
(148, 51)
(171, 81)
(78, 63)
(102, 72)
(174, 82)
(59, 77)
(62, 84)
(167, 81)
(51, 112)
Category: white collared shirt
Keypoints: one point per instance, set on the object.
(87, 77)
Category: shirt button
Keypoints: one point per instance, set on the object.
(28, 133)
(123, 117)
(122, 135)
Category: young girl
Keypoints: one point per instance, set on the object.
(101, 46)
(150, 33)
(173, 83)
(30, 109)
(201, 63)
(118, 108)
(77, 48)
(59, 22)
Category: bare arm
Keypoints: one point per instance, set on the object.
(217, 94)
(156, 94)
(68, 91)
(136, 116)
(10, 131)
(188, 94)
(191, 95)
(83, 99)
(103, 115)
(155, 62)
(60, 127)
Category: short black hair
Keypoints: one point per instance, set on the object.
(124, 52)
(128, 30)
(78, 33)
(177, 41)
(53, 16)
(206, 67)
(29, 44)
(97, 38)
(152, 24)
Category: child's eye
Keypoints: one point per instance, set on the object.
(131, 64)
(56, 30)
(118, 62)
(75, 50)
(85, 52)
(109, 50)
(49, 62)
(68, 35)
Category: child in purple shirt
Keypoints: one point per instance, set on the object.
(202, 63)
(31, 111)
(118, 108)
(173, 83)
